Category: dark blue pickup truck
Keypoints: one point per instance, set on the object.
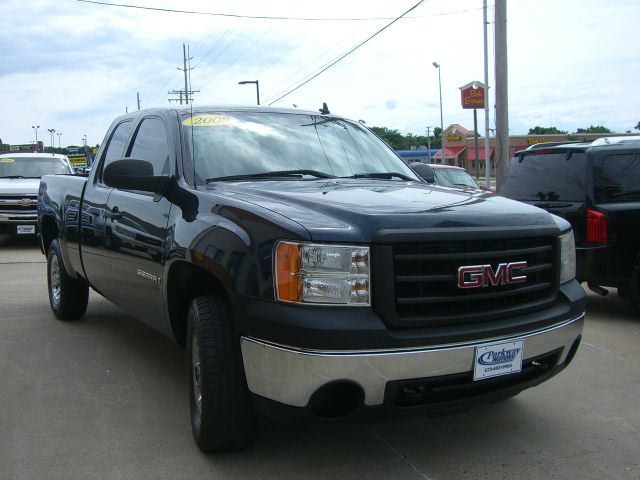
(308, 270)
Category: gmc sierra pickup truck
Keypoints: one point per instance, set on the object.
(308, 270)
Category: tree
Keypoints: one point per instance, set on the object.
(398, 141)
(393, 137)
(546, 131)
(592, 129)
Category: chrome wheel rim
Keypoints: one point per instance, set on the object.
(54, 278)
(196, 373)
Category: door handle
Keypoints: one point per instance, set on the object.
(114, 214)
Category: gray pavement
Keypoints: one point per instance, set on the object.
(106, 398)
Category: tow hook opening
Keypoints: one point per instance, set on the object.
(336, 399)
(598, 289)
(572, 350)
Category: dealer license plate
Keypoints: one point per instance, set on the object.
(25, 229)
(497, 359)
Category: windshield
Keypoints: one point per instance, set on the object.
(248, 145)
(546, 177)
(452, 177)
(31, 167)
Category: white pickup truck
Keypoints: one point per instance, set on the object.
(19, 181)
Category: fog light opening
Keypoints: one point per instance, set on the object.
(336, 399)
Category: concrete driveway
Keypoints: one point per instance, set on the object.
(106, 398)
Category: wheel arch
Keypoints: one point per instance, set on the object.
(185, 282)
(48, 232)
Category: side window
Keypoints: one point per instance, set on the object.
(117, 142)
(619, 178)
(151, 144)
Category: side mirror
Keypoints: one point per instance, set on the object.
(425, 171)
(133, 174)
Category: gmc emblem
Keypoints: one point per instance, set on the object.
(474, 276)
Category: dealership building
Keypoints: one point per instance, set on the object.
(459, 146)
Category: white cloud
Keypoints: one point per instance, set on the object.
(74, 66)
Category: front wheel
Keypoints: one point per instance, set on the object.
(634, 293)
(68, 296)
(222, 416)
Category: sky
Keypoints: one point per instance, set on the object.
(75, 66)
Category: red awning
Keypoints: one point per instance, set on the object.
(449, 152)
(471, 153)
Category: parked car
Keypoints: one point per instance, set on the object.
(596, 187)
(19, 181)
(444, 175)
(307, 269)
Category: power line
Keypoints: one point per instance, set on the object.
(348, 52)
(265, 17)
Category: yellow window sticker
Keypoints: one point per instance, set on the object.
(209, 120)
(7, 160)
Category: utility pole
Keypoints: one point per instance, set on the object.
(138, 96)
(188, 93)
(487, 156)
(502, 93)
(186, 81)
(429, 143)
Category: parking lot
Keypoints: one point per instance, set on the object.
(106, 397)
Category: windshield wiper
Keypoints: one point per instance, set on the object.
(463, 185)
(278, 174)
(382, 176)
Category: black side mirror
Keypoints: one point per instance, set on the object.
(133, 174)
(425, 171)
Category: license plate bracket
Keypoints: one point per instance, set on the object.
(25, 229)
(496, 359)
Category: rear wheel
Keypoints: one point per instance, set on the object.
(68, 296)
(222, 416)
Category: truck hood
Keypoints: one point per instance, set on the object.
(17, 186)
(356, 210)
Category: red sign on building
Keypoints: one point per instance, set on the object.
(472, 95)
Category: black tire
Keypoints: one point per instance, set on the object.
(634, 298)
(222, 415)
(632, 291)
(68, 296)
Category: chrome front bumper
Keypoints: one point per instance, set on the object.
(291, 376)
(18, 218)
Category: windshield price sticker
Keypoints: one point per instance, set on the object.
(497, 359)
(209, 120)
(7, 160)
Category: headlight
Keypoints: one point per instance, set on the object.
(322, 274)
(567, 257)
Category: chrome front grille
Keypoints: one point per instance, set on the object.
(18, 203)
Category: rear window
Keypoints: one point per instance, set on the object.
(557, 176)
(619, 178)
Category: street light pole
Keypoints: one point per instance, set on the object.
(51, 133)
(244, 82)
(35, 128)
(437, 65)
(59, 135)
